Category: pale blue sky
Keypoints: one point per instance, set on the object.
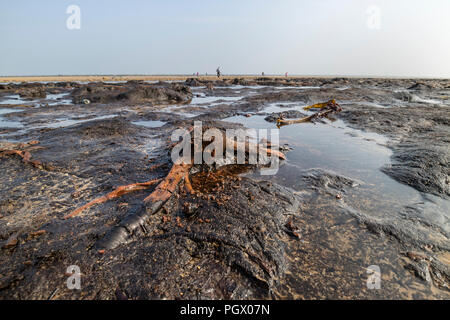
(309, 37)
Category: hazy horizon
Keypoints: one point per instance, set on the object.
(356, 38)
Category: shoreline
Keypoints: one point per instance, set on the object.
(97, 78)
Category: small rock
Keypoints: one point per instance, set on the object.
(190, 209)
(37, 233)
(12, 242)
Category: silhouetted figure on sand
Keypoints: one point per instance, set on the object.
(218, 72)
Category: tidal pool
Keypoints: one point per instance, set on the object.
(150, 123)
(331, 238)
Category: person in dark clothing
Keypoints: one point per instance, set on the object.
(218, 72)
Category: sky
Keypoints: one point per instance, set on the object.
(387, 38)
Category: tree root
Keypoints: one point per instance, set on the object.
(188, 185)
(118, 192)
(15, 148)
(156, 200)
(248, 147)
(330, 107)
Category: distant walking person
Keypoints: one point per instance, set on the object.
(218, 72)
(286, 74)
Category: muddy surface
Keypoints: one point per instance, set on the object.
(367, 186)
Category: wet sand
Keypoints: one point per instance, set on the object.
(367, 186)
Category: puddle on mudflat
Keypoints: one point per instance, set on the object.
(51, 123)
(6, 123)
(294, 87)
(329, 234)
(241, 87)
(175, 109)
(65, 122)
(150, 123)
(281, 107)
(152, 147)
(10, 124)
(115, 82)
(16, 99)
(331, 146)
(9, 110)
(359, 155)
(57, 99)
(415, 98)
(216, 99)
(50, 100)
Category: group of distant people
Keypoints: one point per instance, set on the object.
(219, 73)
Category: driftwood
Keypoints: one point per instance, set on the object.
(327, 107)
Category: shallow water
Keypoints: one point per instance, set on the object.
(66, 122)
(150, 123)
(16, 99)
(53, 123)
(7, 123)
(58, 99)
(205, 100)
(50, 100)
(353, 153)
(175, 109)
(336, 148)
(9, 110)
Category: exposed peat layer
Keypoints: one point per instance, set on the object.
(366, 186)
